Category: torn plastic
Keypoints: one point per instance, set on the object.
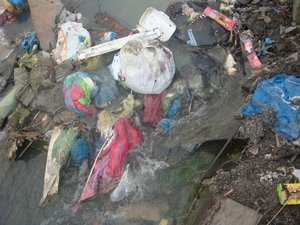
(153, 112)
(72, 37)
(108, 169)
(146, 68)
(58, 153)
(80, 151)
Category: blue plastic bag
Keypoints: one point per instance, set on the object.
(17, 3)
(30, 39)
(80, 151)
(281, 95)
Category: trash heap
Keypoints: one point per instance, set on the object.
(99, 96)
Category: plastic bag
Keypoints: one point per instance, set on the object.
(204, 31)
(17, 3)
(80, 151)
(13, 6)
(72, 37)
(58, 152)
(108, 170)
(29, 41)
(79, 90)
(146, 68)
(153, 112)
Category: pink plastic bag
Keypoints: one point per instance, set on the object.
(153, 112)
(108, 170)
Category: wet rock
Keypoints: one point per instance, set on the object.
(25, 95)
(43, 14)
(8, 54)
(19, 118)
(50, 100)
(63, 69)
(41, 72)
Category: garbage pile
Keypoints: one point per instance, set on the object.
(99, 99)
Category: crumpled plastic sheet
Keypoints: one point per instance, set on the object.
(108, 170)
(281, 95)
(153, 112)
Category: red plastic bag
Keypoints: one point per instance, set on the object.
(108, 170)
(153, 112)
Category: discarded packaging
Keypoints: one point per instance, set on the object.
(280, 95)
(58, 153)
(146, 68)
(152, 25)
(153, 112)
(289, 194)
(223, 20)
(30, 42)
(107, 171)
(14, 6)
(80, 151)
(72, 37)
(79, 90)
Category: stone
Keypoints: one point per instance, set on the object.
(63, 69)
(19, 118)
(25, 95)
(43, 14)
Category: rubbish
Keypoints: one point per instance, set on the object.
(153, 112)
(7, 18)
(146, 68)
(223, 20)
(278, 94)
(13, 6)
(248, 50)
(108, 170)
(172, 106)
(112, 24)
(229, 65)
(67, 16)
(58, 152)
(19, 118)
(152, 25)
(289, 194)
(80, 151)
(190, 13)
(72, 37)
(166, 125)
(79, 89)
(202, 32)
(30, 60)
(8, 104)
(30, 42)
(107, 88)
(110, 36)
(107, 119)
(263, 51)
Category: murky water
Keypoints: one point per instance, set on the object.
(167, 195)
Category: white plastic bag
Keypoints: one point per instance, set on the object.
(72, 37)
(144, 67)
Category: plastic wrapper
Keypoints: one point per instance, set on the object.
(72, 37)
(80, 151)
(153, 112)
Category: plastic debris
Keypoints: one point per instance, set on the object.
(79, 90)
(107, 119)
(172, 106)
(223, 20)
(146, 68)
(58, 152)
(108, 170)
(72, 37)
(265, 45)
(13, 6)
(107, 88)
(194, 29)
(80, 151)
(153, 112)
(30, 42)
(30, 60)
(7, 18)
(166, 125)
(279, 94)
(289, 194)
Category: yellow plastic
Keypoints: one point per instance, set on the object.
(12, 9)
(289, 194)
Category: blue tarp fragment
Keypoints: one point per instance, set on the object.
(280, 95)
